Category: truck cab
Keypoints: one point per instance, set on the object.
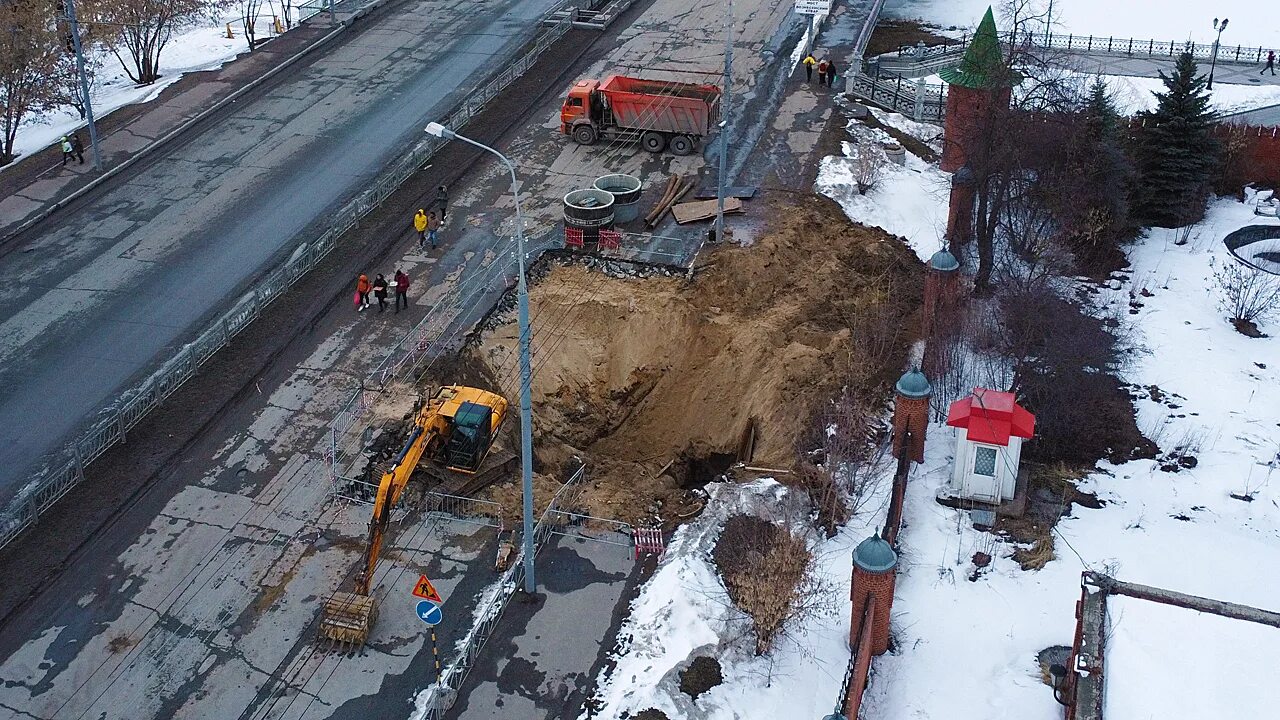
(577, 105)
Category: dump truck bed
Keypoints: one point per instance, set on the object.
(669, 107)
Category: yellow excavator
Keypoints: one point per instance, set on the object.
(456, 427)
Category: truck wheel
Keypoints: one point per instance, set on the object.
(654, 142)
(682, 145)
(584, 135)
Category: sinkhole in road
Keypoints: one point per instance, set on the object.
(653, 380)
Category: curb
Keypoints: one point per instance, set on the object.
(168, 137)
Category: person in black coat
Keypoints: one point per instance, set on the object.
(380, 291)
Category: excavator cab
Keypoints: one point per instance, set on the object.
(470, 439)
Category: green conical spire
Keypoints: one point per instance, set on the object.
(983, 62)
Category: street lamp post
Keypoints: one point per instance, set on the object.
(84, 84)
(1213, 62)
(526, 373)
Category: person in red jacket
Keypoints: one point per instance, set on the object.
(402, 290)
(362, 292)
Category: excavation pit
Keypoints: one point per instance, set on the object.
(655, 381)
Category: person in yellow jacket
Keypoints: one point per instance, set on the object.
(808, 63)
(420, 224)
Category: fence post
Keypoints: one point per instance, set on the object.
(920, 98)
(120, 422)
(75, 448)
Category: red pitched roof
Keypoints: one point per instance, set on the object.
(991, 417)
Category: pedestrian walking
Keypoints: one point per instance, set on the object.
(77, 147)
(831, 73)
(402, 290)
(808, 63)
(822, 72)
(362, 292)
(420, 225)
(442, 199)
(1271, 63)
(380, 291)
(433, 225)
(67, 150)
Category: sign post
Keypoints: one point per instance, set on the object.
(428, 611)
(813, 7)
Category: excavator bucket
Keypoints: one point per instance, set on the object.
(346, 620)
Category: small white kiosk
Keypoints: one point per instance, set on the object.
(990, 427)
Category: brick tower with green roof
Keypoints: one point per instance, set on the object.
(979, 80)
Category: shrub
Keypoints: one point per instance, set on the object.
(1063, 372)
(767, 571)
(1247, 294)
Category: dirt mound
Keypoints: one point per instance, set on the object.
(652, 381)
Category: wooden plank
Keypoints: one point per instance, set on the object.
(703, 209)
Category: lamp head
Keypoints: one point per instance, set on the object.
(438, 130)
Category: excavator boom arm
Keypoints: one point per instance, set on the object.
(425, 433)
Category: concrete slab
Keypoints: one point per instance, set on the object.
(544, 655)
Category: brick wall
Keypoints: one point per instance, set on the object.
(861, 662)
(910, 422)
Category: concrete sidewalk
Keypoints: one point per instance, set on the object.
(544, 657)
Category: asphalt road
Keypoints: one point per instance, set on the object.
(104, 291)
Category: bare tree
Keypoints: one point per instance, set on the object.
(868, 167)
(1248, 295)
(250, 10)
(32, 57)
(144, 28)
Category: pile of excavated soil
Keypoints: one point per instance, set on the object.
(652, 381)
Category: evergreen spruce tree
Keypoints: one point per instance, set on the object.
(1176, 151)
(1101, 117)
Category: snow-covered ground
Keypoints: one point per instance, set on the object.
(683, 611)
(202, 47)
(1142, 19)
(1215, 652)
(908, 200)
(966, 650)
(1135, 94)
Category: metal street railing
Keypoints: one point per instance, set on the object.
(66, 470)
(921, 101)
(1096, 45)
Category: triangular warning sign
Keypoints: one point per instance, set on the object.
(424, 589)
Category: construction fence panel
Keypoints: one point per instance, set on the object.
(132, 405)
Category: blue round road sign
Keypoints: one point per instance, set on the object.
(429, 612)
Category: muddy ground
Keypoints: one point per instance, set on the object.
(653, 381)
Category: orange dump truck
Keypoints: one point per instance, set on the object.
(657, 113)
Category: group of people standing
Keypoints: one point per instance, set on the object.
(425, 224)
(379, 287)
(826, 68)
